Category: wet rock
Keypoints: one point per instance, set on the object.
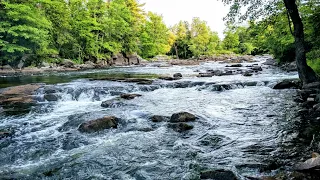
(180, 127)
(182, 117)
(129, 80)
(99, 124)
(51, 97)
(205, 75)
(177, 75)
(157, 118)
(256, 68)
(217, 73)
(219, 174)
(270, 62)
(313, 163)
(247, 73)
(28, 89)
(234, 65)
(287, 84)
(130, 96)
(112, 103)
(167, 78)
(211, 140)
(315, 85)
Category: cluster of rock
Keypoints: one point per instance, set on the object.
(178, 121)
(309, 99)
(233, 69)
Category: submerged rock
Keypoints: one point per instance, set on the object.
(219, 174)
(157, 118)
(234, 65)
(5, 133)
(256, 68)
(168, 78)
(177, 75)
(180, 127)
(182, 117)
(106, 122)
(51, 97)
(247, 73)
(130, 96)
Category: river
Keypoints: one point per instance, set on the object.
(245, 126)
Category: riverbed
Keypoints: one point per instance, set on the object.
(244, 125)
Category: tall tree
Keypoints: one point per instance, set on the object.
(258, 8)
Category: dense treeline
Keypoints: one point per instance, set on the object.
(80, 30)
(48, 30)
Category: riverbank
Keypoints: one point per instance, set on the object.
(70, 66)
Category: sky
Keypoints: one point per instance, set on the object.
(211, 11)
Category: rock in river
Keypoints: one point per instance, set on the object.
(313, 163)
(182, 117)
(219, 174)
(112, 103)
(130, 96)
(157, 118)
(106, 122)
(180, 127)
(177, 75)
(287, 84)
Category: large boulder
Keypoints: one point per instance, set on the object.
(99, 124)
(310, 164)
(219, 174)
(129, 96)
(18, 95)
(287, 84)
(182, 117)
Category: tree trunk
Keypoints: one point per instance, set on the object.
(176, 48)
(306, 73)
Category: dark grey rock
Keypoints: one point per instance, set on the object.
(99, 124)
(219, 174)
(180, 127)
(182, 117)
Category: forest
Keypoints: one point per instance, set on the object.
(94, 30)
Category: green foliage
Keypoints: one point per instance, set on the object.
(154, 37)
(23, 30)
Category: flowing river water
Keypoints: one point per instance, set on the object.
(243, 125)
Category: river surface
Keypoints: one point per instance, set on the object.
(244, 126)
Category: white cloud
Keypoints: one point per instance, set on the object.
(173, 11)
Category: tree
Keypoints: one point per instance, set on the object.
(200, 36)
(23, 30)
(306, 74)
(155, 37)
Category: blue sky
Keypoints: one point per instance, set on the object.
(173, 11)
